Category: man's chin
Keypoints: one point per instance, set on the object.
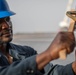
(7, 40)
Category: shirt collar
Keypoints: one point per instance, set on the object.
(10, 49)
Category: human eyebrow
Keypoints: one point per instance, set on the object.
(7, 19)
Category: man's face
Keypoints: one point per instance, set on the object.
(5, 30)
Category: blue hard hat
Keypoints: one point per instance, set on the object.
(4, 9)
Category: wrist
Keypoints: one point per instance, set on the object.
(43, 59)
(49, 55)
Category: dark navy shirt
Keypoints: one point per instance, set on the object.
(24, 63)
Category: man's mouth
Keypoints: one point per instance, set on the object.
(6, 33)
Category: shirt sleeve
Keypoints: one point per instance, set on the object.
(24, 67)
(60, 70)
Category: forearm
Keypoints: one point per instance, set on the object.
(43, 59)
(74, 66)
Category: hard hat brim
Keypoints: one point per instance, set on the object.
(6, 14)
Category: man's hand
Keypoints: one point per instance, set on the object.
(63, 40)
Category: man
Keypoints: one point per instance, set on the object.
(24, 60)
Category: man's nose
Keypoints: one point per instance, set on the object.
(5, 25)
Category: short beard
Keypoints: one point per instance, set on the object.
(3, 42)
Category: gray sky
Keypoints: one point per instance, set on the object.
(37, 15)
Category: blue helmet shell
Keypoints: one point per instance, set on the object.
(4, 9)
